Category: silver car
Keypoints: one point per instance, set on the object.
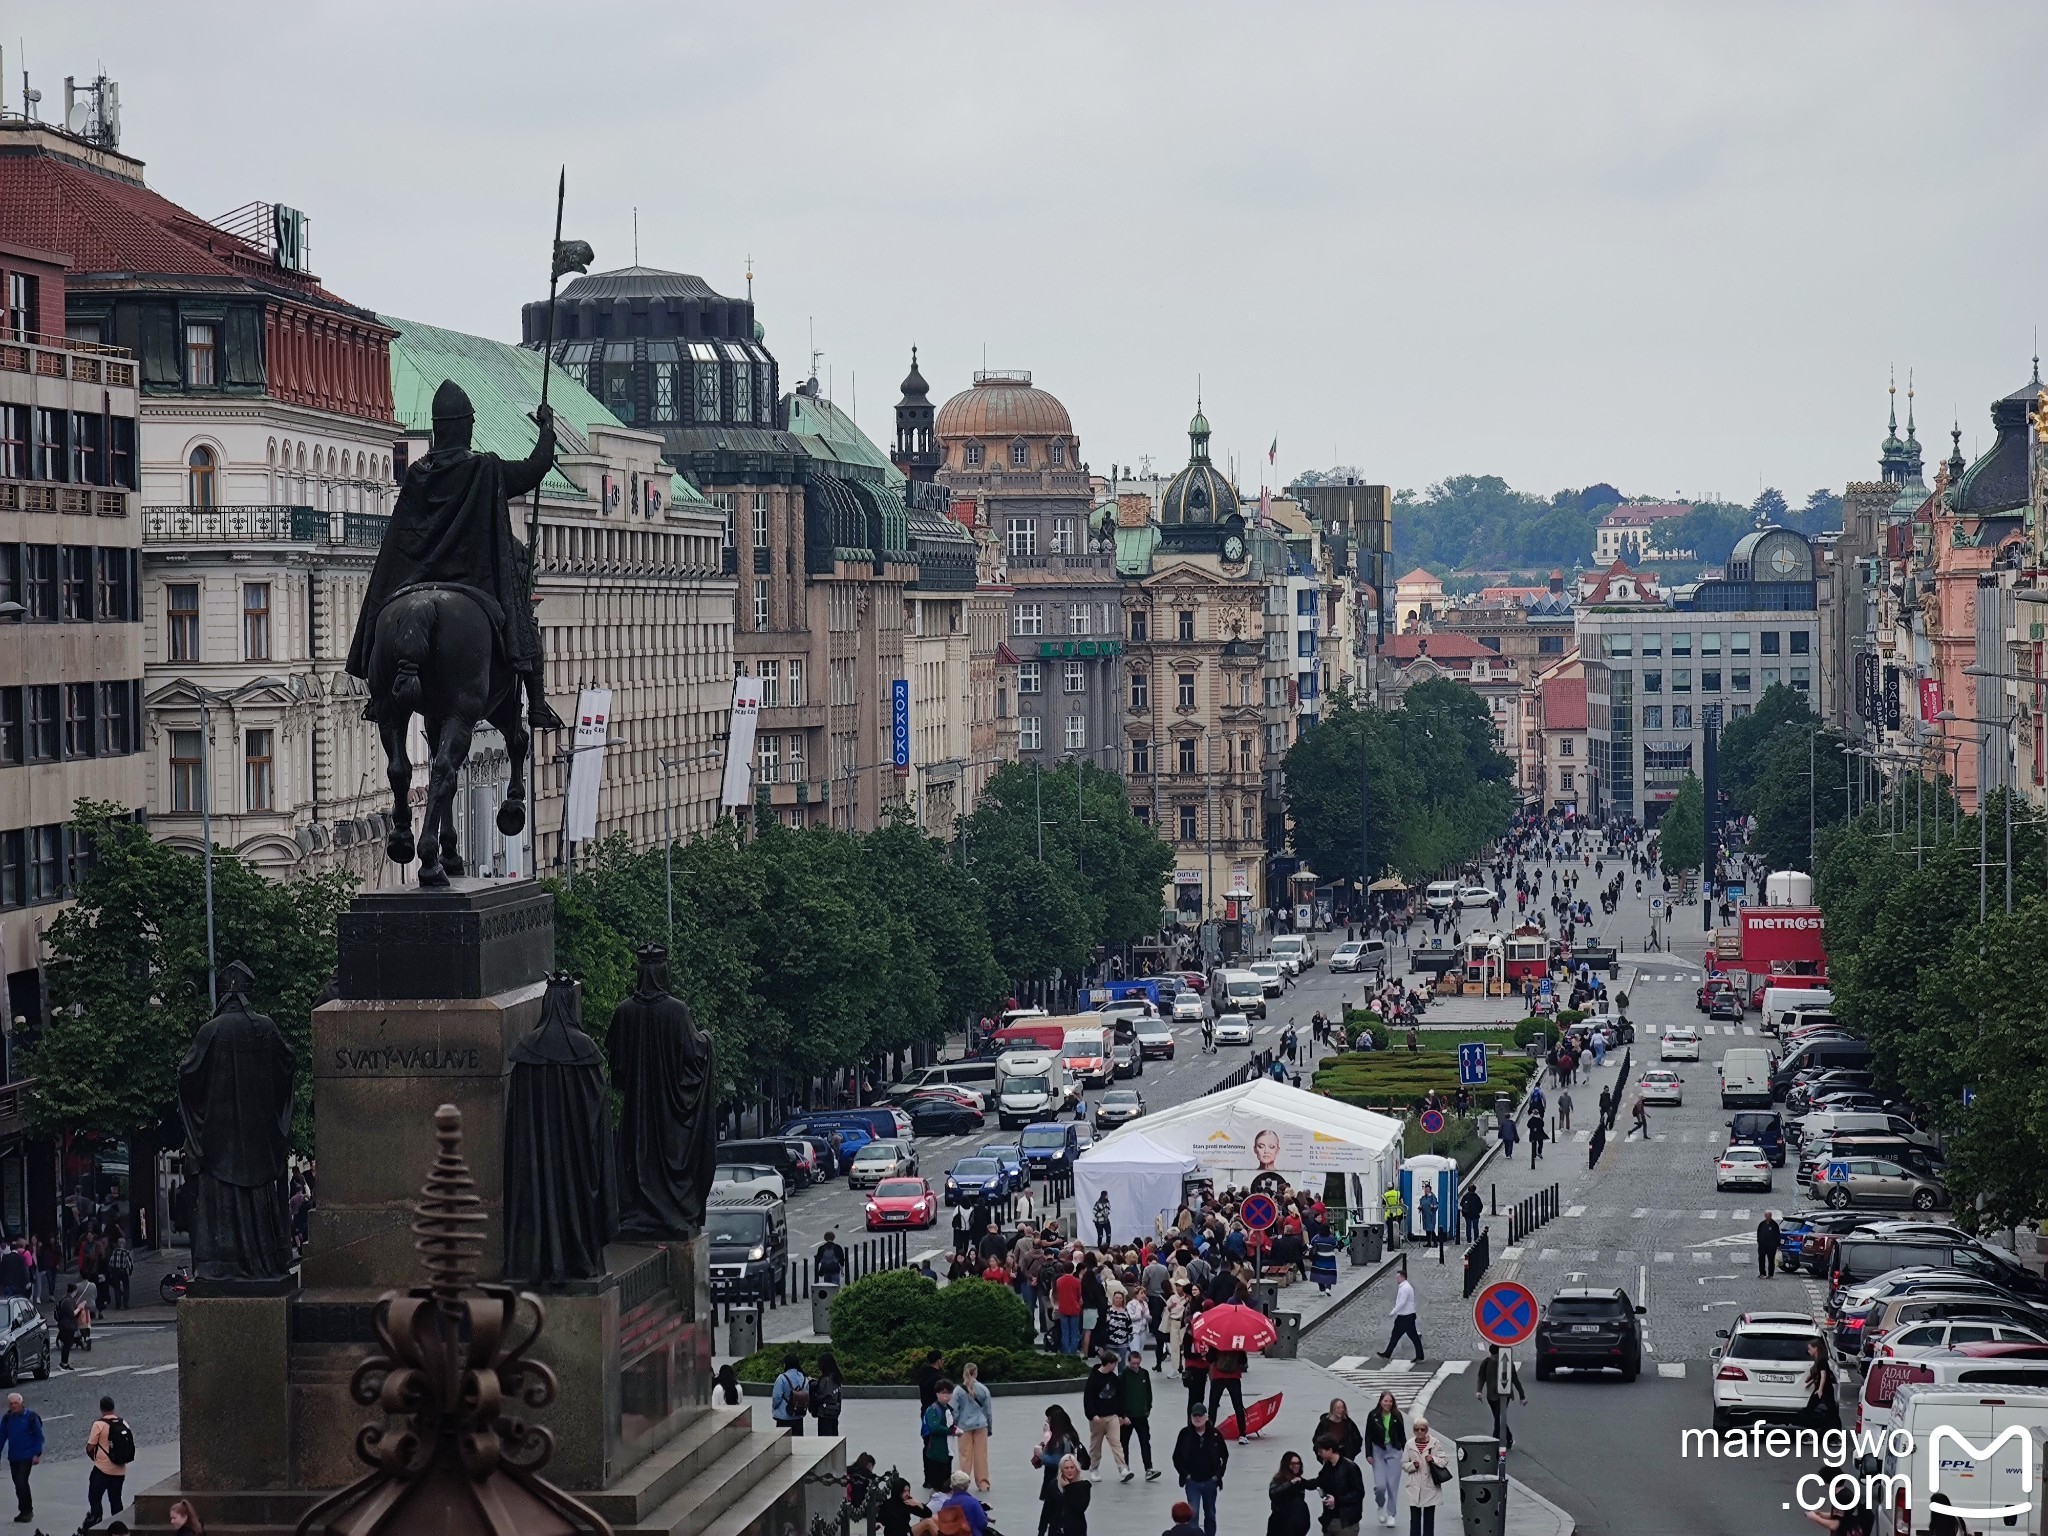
(880, 1160)
(1876, 1181)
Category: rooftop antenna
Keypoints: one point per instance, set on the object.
(636, 234)
(750, 277)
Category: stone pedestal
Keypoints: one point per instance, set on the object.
(233, 1354)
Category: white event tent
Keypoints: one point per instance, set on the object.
(1143, 1180)
(1258, 1127)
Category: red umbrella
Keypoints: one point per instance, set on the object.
(1235, 1326)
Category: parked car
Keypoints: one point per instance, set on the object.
(790, 1154)
(1188, 1008)
(1010, 1153)
(852, 1136)
(1761, 1370)
(1155, 1036)
(1680, 1042)
(1476, 896)
(902, 1203)
(1743, 1168)
(1360, 955)
(1119, 1106)
(880, 1160)
(747, 1181)
(1942, 1335)
(1233, 1029)
(1858, 1257)
(1660, 1087)
(24, 1342)
(1878, 1181)
(1589, 1328)
(749, 1248)
(941, 1114)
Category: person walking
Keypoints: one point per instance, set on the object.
(1102, 1234)
(120, 1271)
(110, 1443)
(1537, 1136)
(1640, 1113)
(1471, 1207)
(21, 1430)
(1060, 1444)
(1489, 1390)
(1338, 1425)
(1102, 1405)
(1823, 1389)
(1138, 1414)
(829, 1262)
(974, 1416)
(1226, 1376)
(1509, 1136)
(1342, 1486)
(1404, 1319)
(1768, 1235)
(70, 1306)
(790, 1398)
(1070, 1501)
(1422, 1489)
(1386, 1437)
(1564, 1109)
(1201, 1457)
(828, 1393)
(1288, 1496)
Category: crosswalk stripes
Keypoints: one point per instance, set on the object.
(1396, 1376)
(1671, 1368)
(158, 1370)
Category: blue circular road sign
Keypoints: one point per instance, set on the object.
(1505, 1313)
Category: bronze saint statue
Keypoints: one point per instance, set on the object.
(664, 1069)
(235, 1094)
(561, 1201)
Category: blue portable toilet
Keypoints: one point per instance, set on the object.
(1428, 1171)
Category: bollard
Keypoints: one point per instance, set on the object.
(1482, 1485)
(1493, 1199)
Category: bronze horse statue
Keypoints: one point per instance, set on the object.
(447, 632)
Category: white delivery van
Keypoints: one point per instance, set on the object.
(1746, 1078)
(1886, 1379)
(1975, 1454)
(1296, 949)
(1243, 992)
(1781, 1001)
(1030, 1085)
(1441, 896)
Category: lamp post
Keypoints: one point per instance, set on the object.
(207, 696)
(2005, 729)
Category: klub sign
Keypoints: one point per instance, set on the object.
(1783, 934)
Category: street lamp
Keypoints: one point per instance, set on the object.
(204, 697)
(2005, 727)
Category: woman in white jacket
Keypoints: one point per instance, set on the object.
(1419, 1490)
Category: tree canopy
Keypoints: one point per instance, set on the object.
(1681, 835)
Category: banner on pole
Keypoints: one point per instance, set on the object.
(586, 765)
(899, 726)
(739, 743)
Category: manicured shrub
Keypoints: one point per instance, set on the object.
(883, 1313)
(975, 1313)
(1533, 1029)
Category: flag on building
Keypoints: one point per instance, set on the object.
(1273, 453)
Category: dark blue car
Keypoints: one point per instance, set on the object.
(1011, 1155)
(976, 1178)
(1049, 1145)
(851, 1137)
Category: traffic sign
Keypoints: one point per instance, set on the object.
(1656, 903)
(1969, 1097)
(1259, 1212)
(1432, 1122)
(1505, 1313)
(1472, 1063)
(1838, 1173)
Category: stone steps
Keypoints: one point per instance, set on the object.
(750, 1476)
(802, 1457)
(714, 1435)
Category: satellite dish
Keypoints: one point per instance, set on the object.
(75, 119)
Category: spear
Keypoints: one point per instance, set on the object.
(567, 256)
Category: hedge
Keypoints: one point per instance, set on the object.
(1531, 1029)
(899, 1309)
(1396, 1077)
(900, 1368)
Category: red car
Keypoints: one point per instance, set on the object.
(902, 1203)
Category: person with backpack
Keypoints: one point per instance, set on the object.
(21, 1430)
(120, 1271)
(111, 1445)
(790, 1398)
(829, 1262)
(827, 1394)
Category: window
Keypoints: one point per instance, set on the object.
(1020, 456)
(87, 467)
(1186, 682)
(1307, 684)
(10, 727)
(116, 719)
(50, 461)
(15, 461)
(1653, 644)
(1063, 536)
(13, 868)
(121, 452)
(1738, 642)
(710, 406)
(796, 681)
(45, 863)
(1710, 680)
(1305, 602)
(1681, 717)
(186, 767)
(1141, 691)
(1564, 778)
(1023, 537)
(1738, 679)
(21, 305)
(1077, 733)
(1076, 679)
(1770, 639)
(771, 684)
(796, 760)
(760, 522)
(39, 580)
(1245, 823)
(79, 738)
(742, 392)
(201, 344)
(1802, 678)
(1772, 677)
(1057, 452)
(1564, 748)
(1710, 643)
(1550, 645)
(74, 595)
(1681, 680)
(767, 760)
(1029, 733)
(1137, 627)
(114, 573)
(760, 603)
(43, 738)
(1141, 756)
(664, 391)
(1185, 761)
(973, 452)
(1078, 619)
(1030, 677)
(1185, 619)
(1621, 645)
(1143, 813)
(258, 787)
(1681, 642)
(1188, 832)
(1276, 739)
(255, 621)
(199, 477)
(1802, 642)
(181, 620)
(1029, 619)
(1244, 754)
(1305, 642)
(1653, 680)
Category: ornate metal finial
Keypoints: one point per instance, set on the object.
(448, 1218)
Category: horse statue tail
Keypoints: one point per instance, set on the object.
(406, 692)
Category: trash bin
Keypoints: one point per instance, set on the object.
(1265, 1296)
(1288, 1343)
(1482, 1493)
(1503, 1105)
(743, 1331)
(1367, 1242)
(821, 1309)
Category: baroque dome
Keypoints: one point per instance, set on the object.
(1200, 493)
(1003, 405)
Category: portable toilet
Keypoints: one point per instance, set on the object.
(1428, 1171)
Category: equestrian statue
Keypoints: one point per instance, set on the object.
(447, 629)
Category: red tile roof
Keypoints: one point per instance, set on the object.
(1418, 575)
(1564, 704)
(1438, 646)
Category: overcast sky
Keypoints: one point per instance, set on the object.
(1676, 247)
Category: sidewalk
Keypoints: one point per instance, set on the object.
(59, 1487)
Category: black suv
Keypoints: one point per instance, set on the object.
(1590, 1328)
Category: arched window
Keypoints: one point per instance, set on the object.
(200, 468)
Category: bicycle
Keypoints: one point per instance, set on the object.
(174, 1285)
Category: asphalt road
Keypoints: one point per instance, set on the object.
(135, 1365)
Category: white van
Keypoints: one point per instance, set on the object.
(1297, 948)
(1746, 1078)
(1242, 992)
(1779, 1002)
(1030, 1085)
(1441, 896)
(1961, 1455)
(1886, 1379)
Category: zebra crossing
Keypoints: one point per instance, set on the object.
(1409, 1382)
(1702, 1030)
(1735, 1257)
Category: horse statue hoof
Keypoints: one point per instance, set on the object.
(398, 847)
(433, 876)
(512, 818)
(454, 866)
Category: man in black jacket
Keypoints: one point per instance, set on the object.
(1102, 1400)
(1343, 1489)
(1200, 1458)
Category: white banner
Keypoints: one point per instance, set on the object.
(586, 766)
(739, 745)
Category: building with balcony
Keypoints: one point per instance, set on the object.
(1658, 669)
(71, 675)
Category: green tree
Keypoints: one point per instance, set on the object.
(944, 907)
(128, 979)
(1769, 507)
(1742, 741)
(1681, 835)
